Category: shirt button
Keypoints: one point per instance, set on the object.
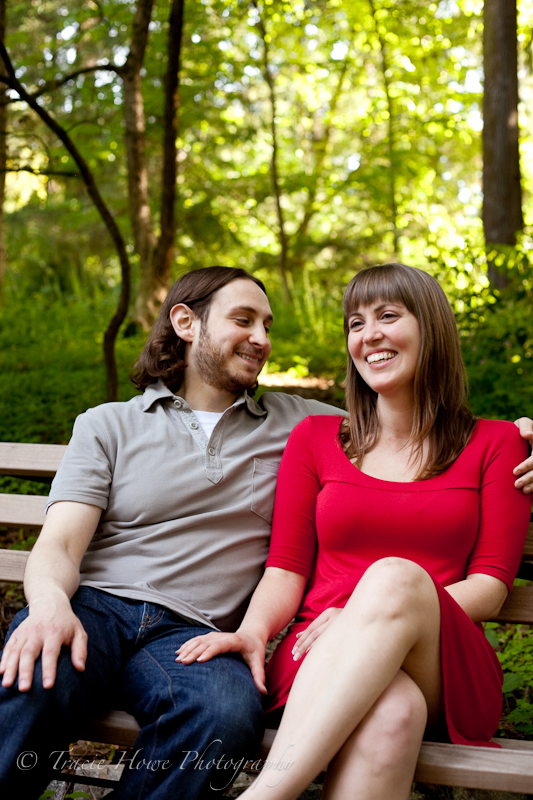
(194, 425)
(178, 403)
(211, 451)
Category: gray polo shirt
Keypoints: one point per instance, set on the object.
(185, 520)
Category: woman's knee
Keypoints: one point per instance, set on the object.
(394, 587)
(394, 728)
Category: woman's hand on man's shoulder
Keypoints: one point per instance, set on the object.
(524, 471)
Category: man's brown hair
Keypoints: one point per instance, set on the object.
(162, 357)
(441, 414)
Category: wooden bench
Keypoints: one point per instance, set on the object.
(509, 769)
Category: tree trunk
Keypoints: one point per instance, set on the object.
(135, 141)
(276, 185)
(155, 276)
(3, 152)
(502, 198)
(391, 144)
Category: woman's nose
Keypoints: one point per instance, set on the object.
(372, 332)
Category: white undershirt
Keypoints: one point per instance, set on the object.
(208, 420)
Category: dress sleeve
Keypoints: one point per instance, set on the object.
(504, 510)
(293, 544)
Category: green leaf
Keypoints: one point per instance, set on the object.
(512, 681)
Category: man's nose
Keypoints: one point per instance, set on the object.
(258, 336)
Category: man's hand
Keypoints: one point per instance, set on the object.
(312, 632)
(524, 471)
(50, 624)
(204, 648)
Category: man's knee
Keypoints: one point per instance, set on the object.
(233, 703)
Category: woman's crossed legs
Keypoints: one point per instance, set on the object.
(363, 695)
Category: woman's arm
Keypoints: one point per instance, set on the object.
(290, 563)
(503, 522)
(480, 596)
(273, 605)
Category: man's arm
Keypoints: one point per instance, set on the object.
(524, 471)
(52, 576)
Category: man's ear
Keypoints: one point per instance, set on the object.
(184, 322)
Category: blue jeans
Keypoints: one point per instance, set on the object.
(198, 722)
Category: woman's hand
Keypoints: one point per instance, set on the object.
(524, 471)
(307, 638)
(204, 648)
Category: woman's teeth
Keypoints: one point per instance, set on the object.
(374, 357)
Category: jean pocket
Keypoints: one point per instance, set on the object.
(264, 479)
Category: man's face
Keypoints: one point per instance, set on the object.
(233, 343)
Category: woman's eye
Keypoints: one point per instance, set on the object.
(389, 315)
(355, 323)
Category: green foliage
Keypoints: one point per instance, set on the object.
(52, 367)
(377, 124)
(514, 646)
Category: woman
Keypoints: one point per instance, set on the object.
(401, 529)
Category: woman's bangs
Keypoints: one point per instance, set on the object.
(385, 284)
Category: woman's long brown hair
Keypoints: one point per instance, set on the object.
(441, 413)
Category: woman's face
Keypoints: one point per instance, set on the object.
(384, 343)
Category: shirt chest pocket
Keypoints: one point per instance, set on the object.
(264, 479)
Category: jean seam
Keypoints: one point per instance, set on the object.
(156, 729)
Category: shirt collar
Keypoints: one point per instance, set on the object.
(158, 391)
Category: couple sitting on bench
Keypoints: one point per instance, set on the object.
(397, 529)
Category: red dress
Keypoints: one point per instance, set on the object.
(331, 522)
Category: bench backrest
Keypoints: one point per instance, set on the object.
(42, 461)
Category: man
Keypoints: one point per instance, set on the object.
(164, 503)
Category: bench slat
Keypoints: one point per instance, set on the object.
(509, 769)
(528, 547)
(40, 460)
(506, 770)
(22, 509)
(12, 564)
(115, 727)
(518, 607)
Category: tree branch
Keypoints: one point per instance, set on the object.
(33, 171)
(320, 147)
(113, 230)
(49, 86)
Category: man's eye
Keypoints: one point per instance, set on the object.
(242, 321)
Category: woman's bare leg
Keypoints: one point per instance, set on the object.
(391, 621)
(378, 760)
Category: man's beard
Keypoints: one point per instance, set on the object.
(210, 365)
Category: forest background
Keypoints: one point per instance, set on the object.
(300, 140)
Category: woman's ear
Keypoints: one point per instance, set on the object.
(184, 322)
